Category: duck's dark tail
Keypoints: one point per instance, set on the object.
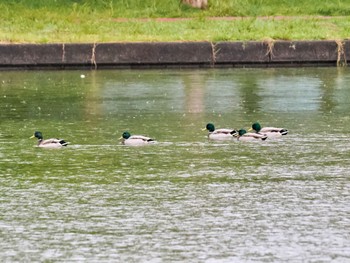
(234, 133)
(284, 131)
(63, 143)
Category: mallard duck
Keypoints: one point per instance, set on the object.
(135, 140)
(271, 132)
(48, 143)
(219, 134)
(243, 135)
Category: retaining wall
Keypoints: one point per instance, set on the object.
(174, 54)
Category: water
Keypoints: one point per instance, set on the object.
(185, 199)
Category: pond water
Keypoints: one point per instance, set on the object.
(185, 199)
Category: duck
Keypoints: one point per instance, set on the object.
(48, 143)
(219, 134)
(243, 135)
(135, 140)
(270, 132)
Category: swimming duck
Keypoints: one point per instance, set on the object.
(220, 134)
(243, 135)
(135, 140)
(271, 132)
(48, 143)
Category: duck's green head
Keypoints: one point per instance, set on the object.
(256, 126)
(241, 132)
(210, 127)
(38, 135)
(126, 135)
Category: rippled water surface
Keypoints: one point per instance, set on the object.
(185, 199)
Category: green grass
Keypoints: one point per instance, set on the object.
(49, 21)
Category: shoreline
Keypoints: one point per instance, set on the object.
(131, 55)
(224, 18)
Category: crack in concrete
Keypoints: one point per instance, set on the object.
(93, 56)
(270, 45)
(63, 53)
(341, 55)
(214, 52)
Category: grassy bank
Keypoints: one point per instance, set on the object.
(48, 21)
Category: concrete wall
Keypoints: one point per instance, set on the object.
(174, 54)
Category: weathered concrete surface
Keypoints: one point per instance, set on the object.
(174, 54)
(193, 53)
(304, 51)
(236, 53)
